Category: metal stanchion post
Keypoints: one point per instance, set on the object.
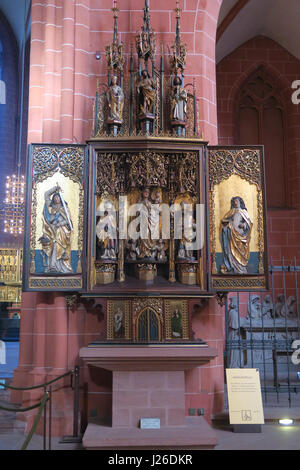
(45, 423)
(76, 437)
(50, 417)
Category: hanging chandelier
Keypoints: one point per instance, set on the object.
(13, 206)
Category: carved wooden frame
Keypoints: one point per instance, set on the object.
(248, 164)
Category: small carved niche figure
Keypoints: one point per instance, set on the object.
(132, 250)
(115, 100)
(146, 93)
(161, 251)
(106, 231)
(185, 246)
(178, 101)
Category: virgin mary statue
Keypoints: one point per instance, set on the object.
(236, 229)
(57, 229)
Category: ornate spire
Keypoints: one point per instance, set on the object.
(178, 58)
(178, 11)
(145, 40)
(114, 51)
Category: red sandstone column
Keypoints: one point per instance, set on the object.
(83, 99)
(67, 73)
(36, 84)
(205, 53)
(25, 364)
(52, 61)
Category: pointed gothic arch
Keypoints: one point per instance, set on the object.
(261, 120)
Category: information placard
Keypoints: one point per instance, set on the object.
(244, 396)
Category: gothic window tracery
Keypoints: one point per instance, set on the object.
(261, 121)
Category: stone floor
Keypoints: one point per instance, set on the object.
(272, 437)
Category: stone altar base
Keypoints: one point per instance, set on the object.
(149, 382)
(194, 435)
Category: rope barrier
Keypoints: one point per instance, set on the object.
(10, 387)
(16, 410)
(36, 421)
(42, 404)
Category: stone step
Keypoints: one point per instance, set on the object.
(195, 434)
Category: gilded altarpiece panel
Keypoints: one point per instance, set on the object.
(129, 183)
(177, 321)
(118, 320)
(237, 219)
(147, 319)
(54, 232)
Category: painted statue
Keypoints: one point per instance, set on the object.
(106, 231)
(147, 245)
(146, 92)
(161, 251)
(178, 101)
(236, 230)
(115, 100)
(185, 251)
(57, 231)
(132, 250)
(150, 246)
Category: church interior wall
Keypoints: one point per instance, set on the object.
(63, 79)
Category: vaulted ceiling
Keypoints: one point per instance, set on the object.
(276, 19)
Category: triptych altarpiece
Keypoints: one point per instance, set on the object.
(146, 214)
(70, 186)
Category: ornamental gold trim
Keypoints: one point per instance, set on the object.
(139, 305)
(239, 283)
(47, 160)
(247, 164)
(55, 283)
(243, 162)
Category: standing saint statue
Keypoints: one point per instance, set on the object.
(235, 322)
(106, 231)
(178, 101)
(185, 248)
(57, 230)
(146, 244)
(115, 100)
(146, 92)
(236, 229)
